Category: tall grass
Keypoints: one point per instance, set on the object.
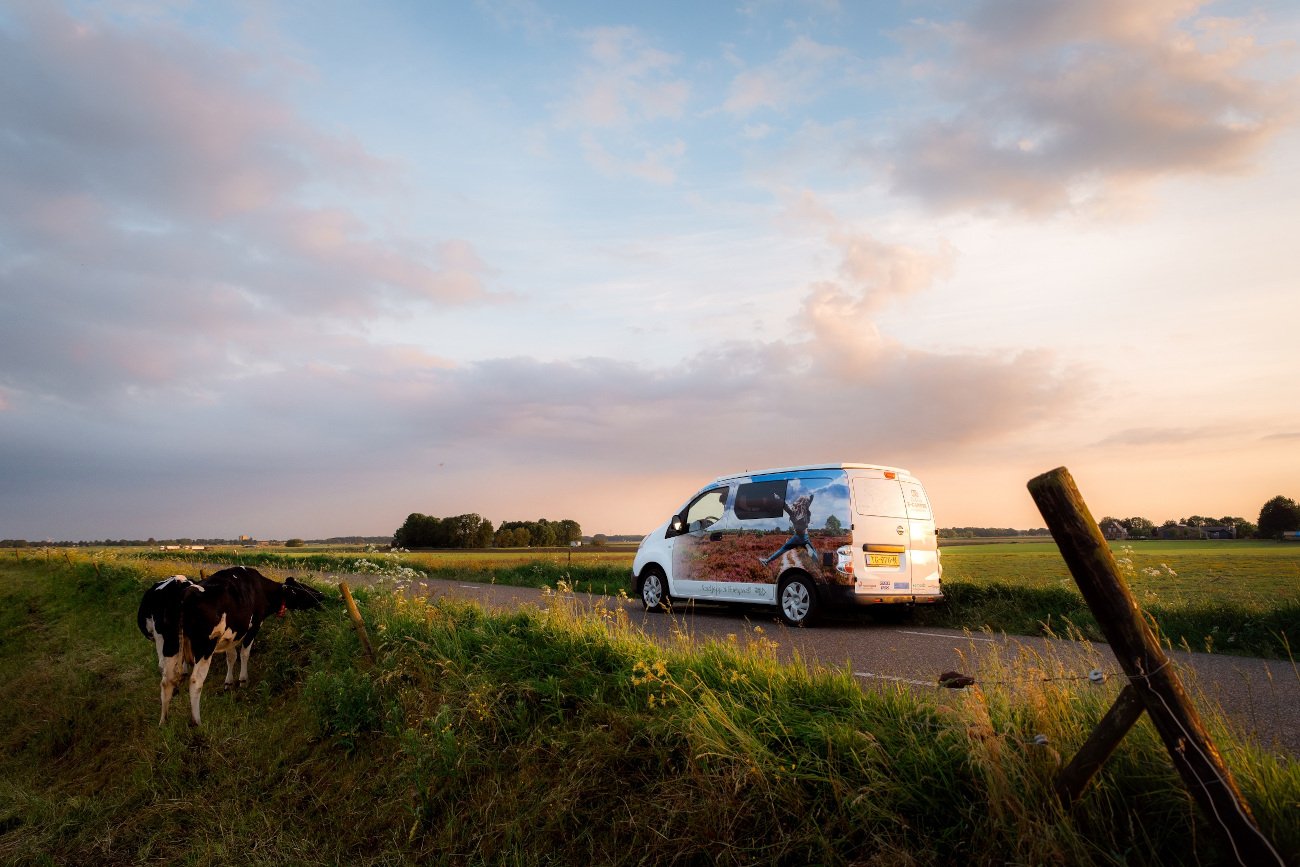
(588, 573)
(1238, 598)
(553, 736)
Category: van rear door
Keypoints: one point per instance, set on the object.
(923, 541)
(881, 564)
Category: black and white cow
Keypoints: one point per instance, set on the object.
(222, 614)
(159, 617)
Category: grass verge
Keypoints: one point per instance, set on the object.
(551, 737)
(1254, 611)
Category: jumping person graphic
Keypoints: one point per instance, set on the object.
(800, 512)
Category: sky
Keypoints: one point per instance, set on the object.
(302, 269)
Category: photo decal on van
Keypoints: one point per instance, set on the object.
(771, 524)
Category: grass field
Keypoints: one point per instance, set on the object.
(553, 737)
(1239, 597)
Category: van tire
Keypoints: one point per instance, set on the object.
(654, 589)
(796, 599)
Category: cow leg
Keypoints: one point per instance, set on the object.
(171, 678)
(157, 642)
(232, 658)
(197, 677)
(243, 665)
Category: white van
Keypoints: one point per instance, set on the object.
(799, 538)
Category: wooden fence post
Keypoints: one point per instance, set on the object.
(1152, 678)
(357, 622)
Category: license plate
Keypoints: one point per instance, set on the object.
(882, 560)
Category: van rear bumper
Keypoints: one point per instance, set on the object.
(839, 595)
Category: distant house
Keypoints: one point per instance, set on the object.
(1290, 536)
(1114, 530)
(1179, 531)
(1219, 531)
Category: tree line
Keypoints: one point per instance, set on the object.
(471, 530)
(1277, 516)
(987, 532)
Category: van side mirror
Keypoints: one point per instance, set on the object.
(676, 525)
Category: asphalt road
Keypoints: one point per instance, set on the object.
(1260, 698)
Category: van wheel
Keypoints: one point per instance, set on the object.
(797, 600)
(654, 590)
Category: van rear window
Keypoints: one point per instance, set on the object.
(878, 497)
(760, 500)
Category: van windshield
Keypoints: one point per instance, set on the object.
(707, 509)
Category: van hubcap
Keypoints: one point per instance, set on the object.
(651, 591)
(794, 601)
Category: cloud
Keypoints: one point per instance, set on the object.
(1161, 436)
(794, 77)
(526, 15)
(168, 219)
(625, 82)
(657, 165)
(625, 90)
(1052, 103)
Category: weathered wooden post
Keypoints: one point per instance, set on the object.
(1153, 685)
(357, 623)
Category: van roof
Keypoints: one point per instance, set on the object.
(839, 466)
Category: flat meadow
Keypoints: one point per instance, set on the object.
(1237, 596)
(553, 735)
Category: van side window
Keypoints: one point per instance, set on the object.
(917, 505)
(760, 500)
(706, 509)
(879, 498)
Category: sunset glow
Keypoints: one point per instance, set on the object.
(300, 269)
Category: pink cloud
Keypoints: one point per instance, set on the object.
(1056, 103)
(178, 217)
(792, 77)
(626, 82)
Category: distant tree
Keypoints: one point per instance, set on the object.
(522, 537)
(1279, 515)
(1245, 529)
(419, 531)
(568, 531)
(294, 543)
(1139, 526)
(600, 540)
(833, 525)
(485, 535)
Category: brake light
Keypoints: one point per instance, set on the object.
(890, 475)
